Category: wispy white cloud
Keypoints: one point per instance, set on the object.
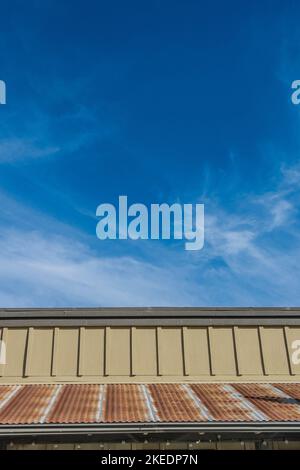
(36, 270)
(250, 257)
(60, 123)
(14, 149)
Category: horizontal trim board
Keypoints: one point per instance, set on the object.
(39, 322)
(148, 379)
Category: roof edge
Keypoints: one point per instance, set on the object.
(150, 312)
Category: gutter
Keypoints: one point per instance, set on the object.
(117, 428)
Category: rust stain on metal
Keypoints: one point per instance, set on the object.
(27, 405)
(124, 403)
(4, 391)
(173, 404)
(128, 403)
(76, 403)
(221, 404)
(291, 389)
(270, 401)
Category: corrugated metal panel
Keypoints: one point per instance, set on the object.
(222, 403)
(270, 401)
(173, 404)
(291, 389)
(26, 406)
(76, 403)
(124, 403)
(4, 391)
(160, 403)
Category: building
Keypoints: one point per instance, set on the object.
(151, 378)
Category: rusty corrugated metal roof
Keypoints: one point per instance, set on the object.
(224, 403)
(74, 404)
(172, 403)
(144, 403)
(124, 403)
(275, 404)
(25, 404)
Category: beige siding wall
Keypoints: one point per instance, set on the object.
(204, 353)
(196, 351)
(144, 351)
(16, 341)
(65, 352)
(170, 352)
(91, 350)
(248, 351)
(39, 354)
(222, 349)
(292, 335)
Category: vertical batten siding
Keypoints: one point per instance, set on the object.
(274, 350)
(289, 361)
(133, 352)
(186, 361)
(260, 337)
(159, 340)
(234, 333)
(54, 352)
(81, 352)
(175, 352)
(29, 352)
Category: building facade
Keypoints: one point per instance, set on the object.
(152, 378)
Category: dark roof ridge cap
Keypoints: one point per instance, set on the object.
(150, 312)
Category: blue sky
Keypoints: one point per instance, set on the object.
(182, 101)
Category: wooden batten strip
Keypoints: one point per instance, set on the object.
(55, 351)
(209, 337)
(107, 346)
(286, 332)
(29, 352)
(260, 338)
(185, 355)
(159, 342)
(81, 351)
(235, 348)
(132, 351)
